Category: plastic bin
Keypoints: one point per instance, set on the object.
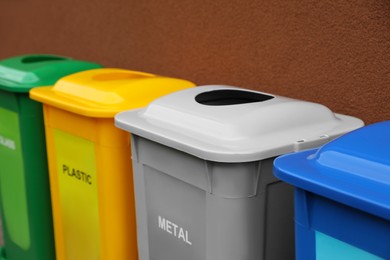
(203, 179)
(24, 184)
(342, 196)
(89, 165)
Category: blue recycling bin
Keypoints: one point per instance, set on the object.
(342, 196)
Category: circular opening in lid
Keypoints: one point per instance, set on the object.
(227, 97)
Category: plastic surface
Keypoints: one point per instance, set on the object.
(342, 192)
(78, 191)
(24, 185)
(13, 184)
(105, 92)
(203, 180)
(361, 157)
(89, 159)
(360, 230)
(228, 124)
(189, 208)
(328, 247)
(21, 73)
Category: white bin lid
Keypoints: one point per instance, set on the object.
(228, 124)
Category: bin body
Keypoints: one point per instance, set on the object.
(189, 208)
(342, 210)
(85, 154)
(202, 165)
(24, 185)
(89, 165)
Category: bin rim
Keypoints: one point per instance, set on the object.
(162, 122)
(81, 93)
(344, 170)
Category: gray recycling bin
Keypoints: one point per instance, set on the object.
(202, 163)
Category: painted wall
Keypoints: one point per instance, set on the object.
(333, 52)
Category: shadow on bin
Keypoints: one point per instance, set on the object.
(342, 196)
(89, 161)
(24, 184)
(203, 179)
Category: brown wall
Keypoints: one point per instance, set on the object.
(333, 52)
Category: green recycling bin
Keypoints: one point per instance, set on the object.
(24, 183)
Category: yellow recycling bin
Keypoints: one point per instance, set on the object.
(89, 164)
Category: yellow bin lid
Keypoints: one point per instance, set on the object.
(105, 92)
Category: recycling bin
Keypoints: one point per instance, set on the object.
(89, 166)
(24, 186)
(342, 196)
(202, 161)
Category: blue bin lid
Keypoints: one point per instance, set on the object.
(354, 169)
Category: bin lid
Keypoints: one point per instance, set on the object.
(228, 124)
(353, 169)
(105, 92)
(21, 73)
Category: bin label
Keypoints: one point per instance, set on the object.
(176, 217)
(12, 181)
(78, 174)
(76, 169)
(9, 143)
(173, 229)
(328, 247)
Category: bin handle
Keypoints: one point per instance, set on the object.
(40, 58)
(111, 76)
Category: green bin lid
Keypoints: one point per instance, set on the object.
(21, 73)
